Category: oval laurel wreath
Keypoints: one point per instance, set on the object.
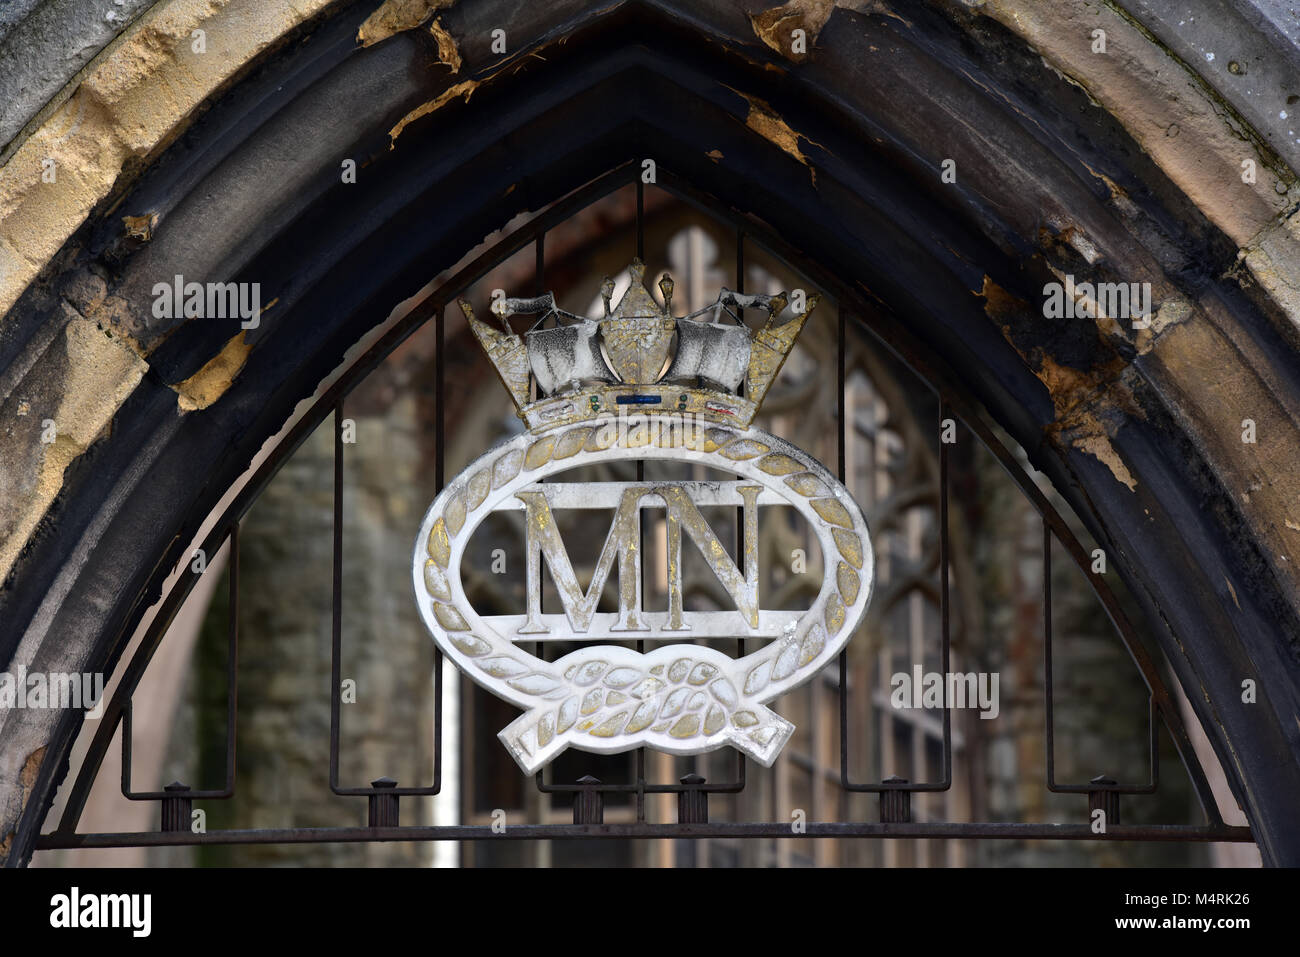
(684, 699)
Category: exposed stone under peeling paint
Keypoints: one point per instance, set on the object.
(1076, 394)
(396, 16)
(464, 88)
(211, 382)
(448, 52)
(776, 26)
(764, 121)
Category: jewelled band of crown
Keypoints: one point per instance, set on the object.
(586, 368)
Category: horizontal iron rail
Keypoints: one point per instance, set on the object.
(557, 832)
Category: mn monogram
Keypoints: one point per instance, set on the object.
(641, 384)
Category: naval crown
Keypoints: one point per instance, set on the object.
(639, 356)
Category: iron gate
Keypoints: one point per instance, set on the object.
(384, 797)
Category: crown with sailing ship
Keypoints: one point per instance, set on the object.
(586, 368)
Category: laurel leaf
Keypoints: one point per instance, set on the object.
(545, 730)
(687, 726)
(834, 613)
(449, 617)
(455, 511)
(833, 511)
(501, 667)
(571, 443)
(610, 726)
(539, 453)
(470, 645)
(779, 464)
(590, 672)
(642, 716)
(675, 702)
(758, 678)
(647, 688)
(566, 715)
(850, 546)
(849, 583)
(701, 673)
(535, 683)
(714, 720)
(742, 449)
(725, 692)
(786, 661)
(477, 489)
(807, 485)
(507, 467)
(813, 643)
(622, 677)
(439, 545)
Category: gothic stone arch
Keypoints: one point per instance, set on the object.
(225, 165)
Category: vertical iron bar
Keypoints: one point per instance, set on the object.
(539, 268)
(692, 801)
(840, 472)
(639, 759)
(1047, 653)
(232, 656)
(841, 449)
(640, 219)
(383, 807)
(740, 512)
(539, 286)
(439, 438)
(125, 725)
(945, 610)
(178, 809)
(440, 424)
(740, 271)
(336, 600)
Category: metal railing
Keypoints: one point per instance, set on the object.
(384, 795)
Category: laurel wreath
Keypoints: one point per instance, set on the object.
(683, 698)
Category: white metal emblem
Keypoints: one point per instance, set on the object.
(681, 698)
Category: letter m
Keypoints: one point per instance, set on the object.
(623, 543)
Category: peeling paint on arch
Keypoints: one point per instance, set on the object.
(397, 16)
(1078, 397)
(765, 121)
(465, 89)
(211, 382)
(774, 26)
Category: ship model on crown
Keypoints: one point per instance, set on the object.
(704, 378)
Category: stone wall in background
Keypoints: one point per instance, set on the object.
(284, 656)
(1100, 699)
